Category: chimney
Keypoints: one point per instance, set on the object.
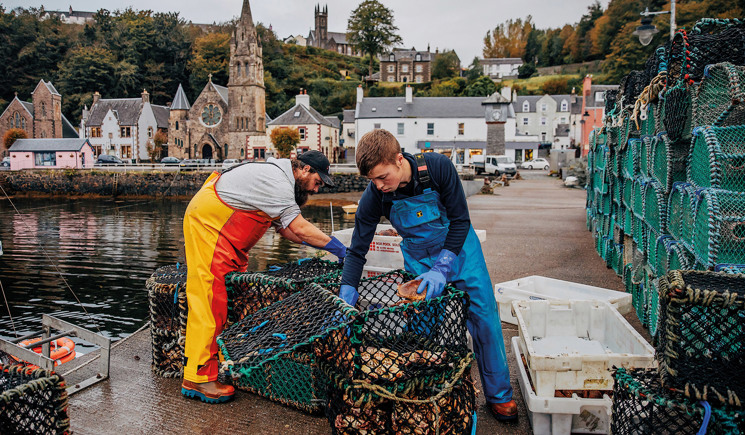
(96, 97)
(506, 93)
(360, 93)
(409, 94)
(303, 99)
(145, 96)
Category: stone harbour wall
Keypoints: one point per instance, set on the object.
(105, 183)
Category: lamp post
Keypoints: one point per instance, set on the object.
(647, 30)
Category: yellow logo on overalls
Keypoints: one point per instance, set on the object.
(419, 214)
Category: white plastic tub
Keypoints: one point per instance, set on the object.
(562, 415)
(539, 288)
(572, 345)
(385, 251)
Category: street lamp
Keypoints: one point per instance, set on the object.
(647, 30)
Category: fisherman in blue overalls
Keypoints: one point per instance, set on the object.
(423, 198)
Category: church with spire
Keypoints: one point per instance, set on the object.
(225, 122)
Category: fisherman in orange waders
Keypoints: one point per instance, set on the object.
(223, 221)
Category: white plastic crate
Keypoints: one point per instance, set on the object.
(385, 251)
(572, 345)
(538, 288)
(562, 415)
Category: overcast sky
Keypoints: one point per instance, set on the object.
(444, 24)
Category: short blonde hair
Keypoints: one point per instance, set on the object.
(376, 147)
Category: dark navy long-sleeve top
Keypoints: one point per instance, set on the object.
(374, 204)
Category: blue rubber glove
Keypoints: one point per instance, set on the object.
(337, 248)
(434, 280)
(348, 294)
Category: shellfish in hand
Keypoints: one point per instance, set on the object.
(407, 291)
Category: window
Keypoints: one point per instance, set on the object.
(400, 128)
(564, 106)
(176, 125)
(563, 119)
(543, 120)
(430, 128)
(405, 79)
(461, 128)
(391, 79)
(43, 110)
(126, 151)
(526, 106)
(96, 150)
(45, 159)
(405, 68)
(391, 68)
(418, 57)
(419, 79)
(376, 125)
(259, 153)
(600, 96)
(95, 131)
(301, 130)
(149, 132)
(544, 107)
(525, 121)
(419, 68)
(125, 132)
(518, 156)
(239, 68)
(392, 58)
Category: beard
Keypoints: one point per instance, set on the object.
(301, 195)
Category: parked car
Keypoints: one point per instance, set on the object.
(107, 160)
(229, 163)
(169, 161)
(5, 162)
(496, 165)
(535, 164)
(192, 163)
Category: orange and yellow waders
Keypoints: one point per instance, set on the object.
(218, 238)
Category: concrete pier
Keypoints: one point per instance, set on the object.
(534, 227)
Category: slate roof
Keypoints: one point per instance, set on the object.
(422, 107)
(306, 115)
(28, 106)
(559, 98)
(348, 116)
(531, 99)
(509, 145)
(32, 145)
(162, 114)
(590, 100)
(180, 102)
(501, 60)
(334, 121)
(447, 144)
(338, 37)
(68, 131)
(223, 91)
(127, 110)
(401, 54)
(51, 88)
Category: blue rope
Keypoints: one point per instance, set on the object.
(707, 417)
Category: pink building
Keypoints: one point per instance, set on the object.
(593, 109)
(51, 154)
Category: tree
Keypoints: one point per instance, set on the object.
(154, 149)
(508, 39)
(556, 86)
(481, 87)
(474, 70)
(210, 55)
(12, 135)
(285, 140)
(370, 29)
(526, 70)
(446, 65)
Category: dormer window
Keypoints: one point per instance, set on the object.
(564, 106)
(526, 106)
(297, 115)
(418, 57)
(392, 58)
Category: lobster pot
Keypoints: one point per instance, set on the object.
(626, 194)
(720, 98)
(639, 296)
(680, 258)
(669, 162)
(590, 218)
(617, 189)
(653, 307)
(658, 253)
(613, 134)
(711, 42)
(645, 158)
(718, 158)
(732, 269)
(690, 207)
(675, 209)
(605, 204)
(700, 347)
(632, 159)
(166, 289)
(641, 405)
(628, 131)
(655, 206)
(677, 118)
(600, 181)
(628, 222)
(640, 233)
(647, 121)
(659, 116)
(617, 259)
(601, 158)
(32, 401)
(719, 228)
(637, 198)
(617, 161)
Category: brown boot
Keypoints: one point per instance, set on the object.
(208, 392)
(504, 411)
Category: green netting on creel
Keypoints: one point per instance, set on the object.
(645, 161)
(632, 159)
(605, 205)
(675, 209)
(655, 206)
(601, 158)
(616, 162)
(718, 158)
(626, 196)
(669, 161)
(689, 210)
(720, 98)
(613, 135)
(719, 227)
(617, 191)
(733, 269)
(617, 259)
(446, 406)
(653, 307)
(32, 401)
(168, 312)
(639, 297)
(651, 240)
(639, 234)
(590, 218)
(637, 197)
(628, 222)
(678, 113)
(628, 131)
(659, 116)
(642, 406)
(701, 348)
(680, 258)
(250, 292)
(661, 254)
(647, 121)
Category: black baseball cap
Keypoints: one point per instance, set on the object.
(319, 162)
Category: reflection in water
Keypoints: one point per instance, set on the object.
(104, 250)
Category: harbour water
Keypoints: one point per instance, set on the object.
(100, 251)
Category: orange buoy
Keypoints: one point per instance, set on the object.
(61, 350)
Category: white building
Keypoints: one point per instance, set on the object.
(69, 16)
(540, 115)
(123, 127)
(500, 68)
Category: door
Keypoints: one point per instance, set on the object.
(206, 151)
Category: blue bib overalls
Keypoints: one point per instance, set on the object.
(422, 222)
